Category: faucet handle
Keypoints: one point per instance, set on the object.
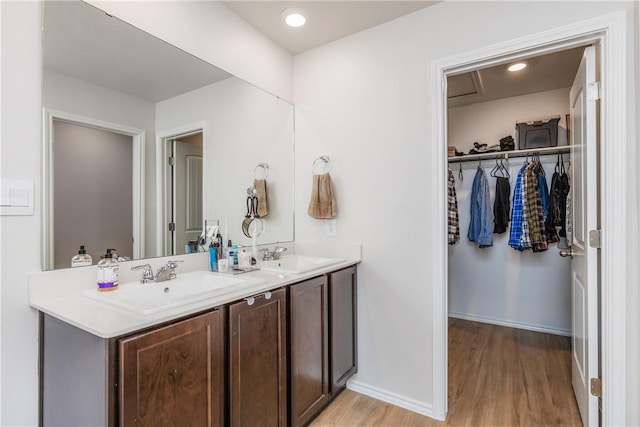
(173, 264)
(147, 273)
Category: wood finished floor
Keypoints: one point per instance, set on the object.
(498, 376)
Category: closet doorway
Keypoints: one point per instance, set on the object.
(520, 322)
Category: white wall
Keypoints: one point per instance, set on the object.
(21, 158)
(244, 127)
(203, 28)
(70, 95)
(498, 284)
(364, 100)
(212, 32)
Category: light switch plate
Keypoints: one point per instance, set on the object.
(16, 197)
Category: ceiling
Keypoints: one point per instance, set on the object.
(83, 42)
(552, 71)
(326, 20)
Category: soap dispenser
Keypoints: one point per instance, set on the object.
(108, 271)
(82, 259)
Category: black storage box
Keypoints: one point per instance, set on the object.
(538, 133)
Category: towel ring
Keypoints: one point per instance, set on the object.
(325, 165)
(261, 171)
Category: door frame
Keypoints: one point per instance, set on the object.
(138, 181)
(610, 32)
(161, 182)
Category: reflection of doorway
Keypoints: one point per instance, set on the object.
(93, 194)
(184, 207)
(73, 161)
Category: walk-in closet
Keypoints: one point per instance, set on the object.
(509, 290)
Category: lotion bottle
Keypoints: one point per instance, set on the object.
(81, 259)
(108, 272)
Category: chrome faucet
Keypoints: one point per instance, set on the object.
(167, 271)
(147, 273)
(268, 255)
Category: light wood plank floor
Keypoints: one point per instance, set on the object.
(498, 376)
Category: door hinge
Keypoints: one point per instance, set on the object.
(594, 91)
(172, 226)
(596, 387)
(595, 238)
(172, 161)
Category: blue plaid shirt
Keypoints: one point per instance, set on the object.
(518, 221)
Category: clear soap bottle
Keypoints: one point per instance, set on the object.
(82, 259)
(108, 272)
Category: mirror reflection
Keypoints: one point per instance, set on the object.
(144, 143)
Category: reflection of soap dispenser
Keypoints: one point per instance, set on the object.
(108, 272)
(81, 259)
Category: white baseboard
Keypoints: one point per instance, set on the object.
(392, 398)
(500, 322)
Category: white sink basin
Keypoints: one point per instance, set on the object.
(186, 288)
(297, 264)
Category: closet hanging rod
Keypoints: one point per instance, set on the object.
(510, 154)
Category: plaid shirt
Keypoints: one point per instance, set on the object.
(518, 221)
(533, 209)
(452, 211)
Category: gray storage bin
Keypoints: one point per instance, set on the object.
(538, 133)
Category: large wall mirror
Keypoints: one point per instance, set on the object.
(144, 143)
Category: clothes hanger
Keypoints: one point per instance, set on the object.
(460, 176)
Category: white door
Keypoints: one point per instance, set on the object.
(584, 264)
(184, 204)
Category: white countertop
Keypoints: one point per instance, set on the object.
(60, 293)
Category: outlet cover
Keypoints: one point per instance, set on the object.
(331, 227)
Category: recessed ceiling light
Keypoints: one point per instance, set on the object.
(294, 17)
(517, 66)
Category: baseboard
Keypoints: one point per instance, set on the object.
(500, 322)
(393, 398)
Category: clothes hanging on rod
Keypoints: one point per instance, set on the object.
(558, 193)
(530, 202)
(452, 211)
(480, 229)
(501, 204)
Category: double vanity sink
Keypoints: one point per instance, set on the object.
(193, 286)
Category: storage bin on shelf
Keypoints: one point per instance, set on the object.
(538, 133)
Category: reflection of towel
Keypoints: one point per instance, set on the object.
(261, 193)
(322, 204)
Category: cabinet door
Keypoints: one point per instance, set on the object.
(309, 349)
(258, 361)
(174, 375)
(343, 318)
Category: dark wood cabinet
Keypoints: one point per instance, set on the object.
(309, 347)
(174, 375)
(275, 359)
(258, 361)
(343, 327)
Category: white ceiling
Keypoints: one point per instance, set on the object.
(83, 42)
(326, 20)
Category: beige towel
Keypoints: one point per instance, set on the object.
(261, 193)
(322, 204)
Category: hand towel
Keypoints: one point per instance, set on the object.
(261, 193)
(322, 204)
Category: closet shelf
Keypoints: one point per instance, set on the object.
(510, 154)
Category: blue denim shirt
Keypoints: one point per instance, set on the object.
(481, 224)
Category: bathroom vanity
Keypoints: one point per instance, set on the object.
(275, 356)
